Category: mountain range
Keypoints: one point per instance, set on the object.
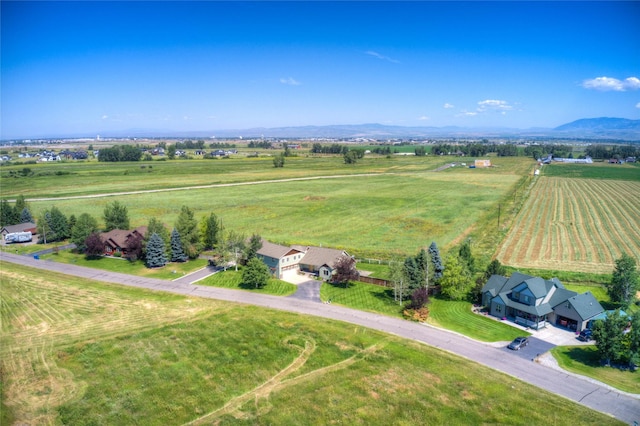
(602, 128)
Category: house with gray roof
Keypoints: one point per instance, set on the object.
(20, 227)
(280, 259)
(535, 302)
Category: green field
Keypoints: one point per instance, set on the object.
(629, 171)
(400, 208)
(78, 352)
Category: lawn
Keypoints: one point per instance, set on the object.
(78, 352)
(584, 360)
(458, 317)
(233, 279)
(170, 271)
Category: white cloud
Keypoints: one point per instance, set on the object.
(448, 106)
(379, 56)
(467, 114)
(494, 105)
(290, 81)
(424, 118)
(638, 105)
(612, 84)
(105, 117)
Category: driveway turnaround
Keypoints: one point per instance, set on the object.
(623, 406)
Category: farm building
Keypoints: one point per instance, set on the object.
(482, 163)
(535, 302)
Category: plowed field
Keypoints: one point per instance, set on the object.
(575, 225)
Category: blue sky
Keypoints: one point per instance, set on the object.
(95, 67)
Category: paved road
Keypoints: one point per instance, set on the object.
(594, 395)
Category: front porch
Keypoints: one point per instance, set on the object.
(525, 319)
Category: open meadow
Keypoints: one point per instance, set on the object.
(79, 352)
(575, 223)
(378, 208)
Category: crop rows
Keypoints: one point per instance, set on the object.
(575, 225)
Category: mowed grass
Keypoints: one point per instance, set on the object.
(170, 271)
(77, 352)
(584, 360)
(233, 279)
(458, 316)
(576, 225)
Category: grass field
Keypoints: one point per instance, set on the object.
(629, 171)
(233, 279)
(575, 224)
(397, 211)
(78, 352)
(584, 360)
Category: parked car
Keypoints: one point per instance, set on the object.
(518, 342)
(585, 335)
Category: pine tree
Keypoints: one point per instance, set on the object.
(177, 253)
(155, 256)
(438, 266)
(624, 281)
(25, 216)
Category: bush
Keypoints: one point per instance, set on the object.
(419, 315)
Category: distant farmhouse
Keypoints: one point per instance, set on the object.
(283, 260)
(535, 302)
(550, 158)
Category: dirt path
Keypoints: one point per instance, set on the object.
(213, 185)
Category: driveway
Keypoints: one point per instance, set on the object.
(600, 397)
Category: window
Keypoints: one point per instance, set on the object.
(526, 299)
(498, 308)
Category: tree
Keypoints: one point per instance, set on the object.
(464, 253)
(455, 282)
(210, 229)
(412, 273)
(422, 262)
(624, 282)
(187, 226)
(155, 256)
(25, 215)
(350, 157)
(419, 298)
(93, 246)
(6, 214)
(171, 152)
(255, 273)
(608, 334)
(115, 216)
(85, 225)
(345, 270)
(278, 161)
(438, 266)
(135, 249)
(398, 277)
(177, 252)
(251, 250)
(494, 268)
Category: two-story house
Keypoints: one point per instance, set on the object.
(534, 302)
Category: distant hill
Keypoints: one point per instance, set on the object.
(605, 127)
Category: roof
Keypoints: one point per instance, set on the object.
(586, 305)
(538, 310)
(20, 227)
(119, 237)
(274, 251)
(319, 256)
(494, 285)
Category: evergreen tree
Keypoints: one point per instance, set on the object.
(59, 224)
(255, 274)
(187, 226)
(18, 210)
(116, 216)
(413, 273)
(422, 262)
(255, 244)
(438, 266)
(25, 216)
(177, 253)
(7, 214)
(210, 229)
(155, 256)
(84, 226)
(464, 253)
(157, 227)
(624, 281)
